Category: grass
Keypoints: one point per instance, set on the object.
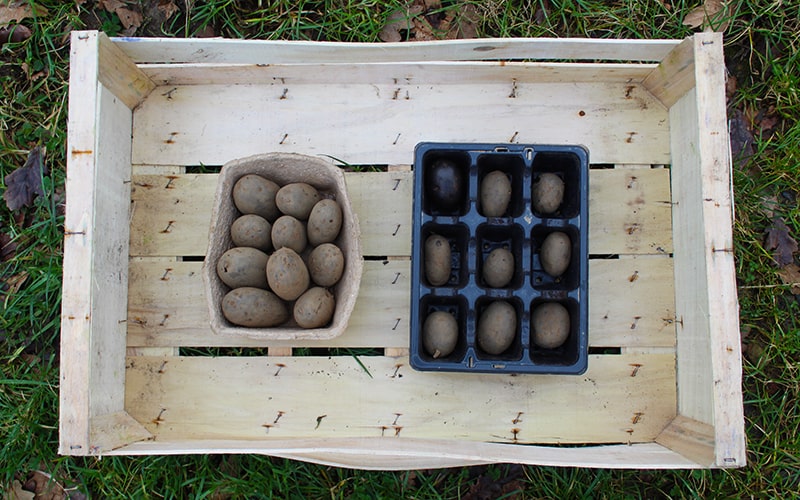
(761, 47)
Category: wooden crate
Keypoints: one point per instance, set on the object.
(663, 388)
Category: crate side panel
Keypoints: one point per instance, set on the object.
(76, 301)
(382, 123)
(154, 50)
(110, 256)
(282, 397)
(716, 207)
(479, 73)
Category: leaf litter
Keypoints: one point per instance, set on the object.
(778, 240)
(24, 184)
(426, 20)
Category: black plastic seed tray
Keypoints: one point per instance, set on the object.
(449, 205)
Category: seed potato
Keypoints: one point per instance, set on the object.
(439, 334)
(498, 269)
(254, 307)
(287, 274)
(497, 327)
(297, 199)
(324, 222)
(551, 325)
(495, 194)
(289, 232)
(326, 264)
(314, 309)
(253, 194)
(548, 193)
(243, 267)
(555, 254)
(252, 230)
(437, 260)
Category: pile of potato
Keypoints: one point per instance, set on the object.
(284, 256)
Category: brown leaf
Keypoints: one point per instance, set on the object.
(25, 183)
(487, 488)
(15, 11)
(741, 138)
(8, 247)
(730, 87)
(465, 23)
(709, 15)
(110, 5)
(15, 33)
(167, 8)
(44, 486)
(15, 492)
(781, 243)
(790, 275)
(129, 18)
(397, 22)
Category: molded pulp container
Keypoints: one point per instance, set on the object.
(472, 236)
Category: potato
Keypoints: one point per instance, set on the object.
(495, 194)
(243, 266)
(252, 230)
(314, 309)
(550, 323)
(289, 232)
(498, 269)
(555, 254)
(287, 274)
(253, 194)
(548, 193)
(439, 334)
(437, 260)
(497, 327)
(254, 307)
(324, 222)
(326, 264)
(297, 199)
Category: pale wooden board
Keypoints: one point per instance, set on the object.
(114, 430)
(118, 73)
(154, 50)
(396, 73)
(380, 123)
(674, 76)
(706, 264)
(630, 212)
(284, 397)
(690, 438)
(167, 306)
(171, 214)
(390, 453)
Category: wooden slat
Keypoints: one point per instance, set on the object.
(172, 50)
(171, 214)
(403, 454)
(631, 304)
(317, 397)
(393, 73)
(630, 212)
(705, 278)
(380, 123)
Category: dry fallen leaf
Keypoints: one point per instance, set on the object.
(781, 243)
(44, 486)
(7, 247)
(25, 183)
(19, 10)
(741, 138)
(790, 275)
(167, 8)
(711, 14)
(15, 33)
(397, 22)
(129, 18)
